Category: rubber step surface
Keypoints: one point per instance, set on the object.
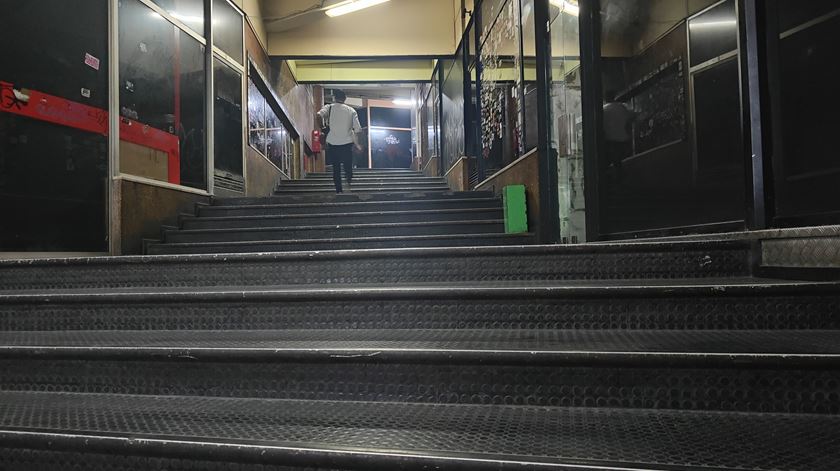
(336, 231)
(362, 206)
(384, 217)
(359, 434)
(702, 305)
(226, 366)
(682, 260)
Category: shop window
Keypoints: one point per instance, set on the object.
(54, 156)
(227, 132)
(162, 99)
(269, 135)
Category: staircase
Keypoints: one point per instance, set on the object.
(384, 208)
(450, 356)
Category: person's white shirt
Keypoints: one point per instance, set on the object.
(343, 122)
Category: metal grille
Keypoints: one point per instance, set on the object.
(645, 386)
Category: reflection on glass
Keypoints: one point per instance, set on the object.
(807, 168)
(162, 105)
(53, 177)
(502, 106)
(189, 12)
(228, 120)
(713, 33)
(665, 160)
(227, 29)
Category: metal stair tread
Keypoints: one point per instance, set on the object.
(419, 435)
(470, 251)
(771, 348)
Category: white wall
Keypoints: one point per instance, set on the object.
(395, 28)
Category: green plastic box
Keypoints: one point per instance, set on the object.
(516, 209)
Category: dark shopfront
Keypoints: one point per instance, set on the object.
(728, 109)
(671, 116)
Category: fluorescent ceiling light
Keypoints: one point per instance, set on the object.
(355, 5)
(566, 6)
(403, 102)
(714, 24)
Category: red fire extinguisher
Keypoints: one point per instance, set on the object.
(316, 140)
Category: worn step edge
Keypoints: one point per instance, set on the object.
(464, 291)
(233, 346)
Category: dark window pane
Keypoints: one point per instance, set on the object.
(794, 13)
(227, 29)
(390, 117)
(189, 12)
(713, 33)
(452, 126)
(162, 99)
(228, 120)
(53, 177)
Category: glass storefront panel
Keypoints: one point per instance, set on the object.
(663, 163)
(227, 29)
(54, 126)
(228, 135)
(162, 99)
(566, 128)
(452, 124)
(806, 162)
(502, 107)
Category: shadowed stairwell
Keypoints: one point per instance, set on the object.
(398, 327)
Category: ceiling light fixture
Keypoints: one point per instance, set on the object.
(403, 102)
(355, 5)
(566, 6)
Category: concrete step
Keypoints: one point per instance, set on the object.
(326, 197)
(287, 190)
(450, 215)
(335, 231)
(346, 207)
(345, 243)
(654, 261)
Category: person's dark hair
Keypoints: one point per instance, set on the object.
(339, 96)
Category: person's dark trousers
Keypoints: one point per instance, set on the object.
(341, 155)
